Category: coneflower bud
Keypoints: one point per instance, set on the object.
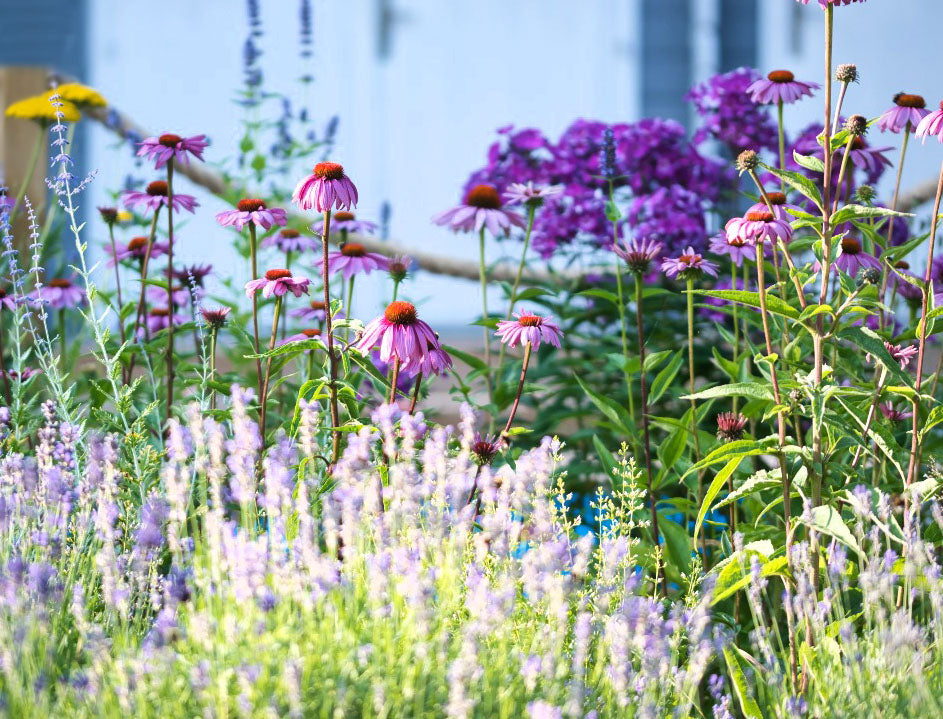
(109, 215)
(866, 194)
(215, 318)
(847, 73)
(748, 160)
(730, 426)
(857, 125)
(870, 276)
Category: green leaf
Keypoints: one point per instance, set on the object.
(715, 487)
(741, 687)
(610, 408)
(870, 342)
(752, 299)
(664, 378)
(602, 294)
(469, 359)
(827, 520)
(677, 542)
(531, 293)
(799, 182)
(736, 576)
(754, 390)
(859, 212)
(809, 162)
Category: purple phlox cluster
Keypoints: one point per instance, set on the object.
(728, 113)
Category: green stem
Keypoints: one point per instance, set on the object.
(644, 389)
(62, 339)
(782, 145)
(350, 301)
(395, 289)
(532, 211)
(890, 224)
(254, 271)
(520, 389)
(736, 329)
(170, 284)
(213, 334)
(268, 367)
(625, 343)
(697, 442)
(30, 170)
(329, 328)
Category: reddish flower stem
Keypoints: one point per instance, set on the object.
(520, 389)
(331, 358)
(170, 284)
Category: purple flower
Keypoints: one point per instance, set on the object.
(931, 125)
(314, 311)
(27, 373)
(907, 110)
(347, 222)
(672, 215)
(736, 248)
(162, 148)
(780, 206)
(278, 282)
(730, 426)
(481, 208)
(638, 255)
(325, 189)
(7, 301)
(780, 86)
(900, 353)
(825, 3)
(136, 249)
(400, 335)
(159, 318)
(893, 414)
(157, 295)
(59, 294)
(689, 265)
(758, 227)
(301, 335)
(436, 362)
(853, 258)
(215, 317)
(728, 113)
(254, 211)
(529, 194)
(155, 197)
(353, 259)
(531, 329)
(290, 240)
(196, 273)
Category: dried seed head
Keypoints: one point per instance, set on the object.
(747, 160)
(847, 73)
(857, 125)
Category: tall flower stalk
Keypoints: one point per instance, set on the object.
(170, 284)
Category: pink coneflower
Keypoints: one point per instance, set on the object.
(638, 255)
(59, 294)
(7, 301)
(900, 353)
(893, 414)
(315, 311)
(484, 448)
(163, 147)
(529, 328)
(27, 373)
(325, 189)
(347, 222)
(136, 249)
(780, 86)
(730, 426)
(157, 296)
(825, 3)
(867, 158)
(401, 335)
(758, 227)
(277, 283)
(399, 266)
(931, 125)
(780, 206)
(437, 361)
(482, 208)
(215, 317)
(690, 265)
(853, 258)
(159, 319)
(907, 109)
(301, 335)
(736, 248)
(254, 211)
(109, 215)
(530, 195)
(290, 240)
(353, 259)
(155, 196)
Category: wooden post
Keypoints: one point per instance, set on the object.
(18, 137)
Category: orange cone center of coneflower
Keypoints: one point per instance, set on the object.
(250, 205)
(318, 305)
(311, 333)
(902, 265)
(781, 76)
(858, 144)
(328, 171)
(760, 216)
(160, 312)
(169, 140)
(353, 249)
(850, 246)
(531, 321)
(290, 234)
(483, 196)
(59, 283)
(689, 259)
(776, 198)
(400, 313)
(902, 99)
(158, 188)
(343, 216)
(137, 243)
(277, 274)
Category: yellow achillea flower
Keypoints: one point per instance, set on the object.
(79, 95)
(124, 216)
(39, 108)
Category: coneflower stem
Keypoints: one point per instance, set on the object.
(144, 265)
(782, 145)
(643, 386)
(268, 367)
(912, 467)
(483, 273)
(170, 285)
(328, 326)
(625, 342)
(62, 339)
(872, 412)
(838, 105)
(254, 271)
(213, 334)
(531, 213)
(114, 253)
(395, 289)
(394, 379)
(350, 301)
(842, 169)
(736, 330)
(520, 389)
(412, 404)
(697, 441)
(890, 224)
